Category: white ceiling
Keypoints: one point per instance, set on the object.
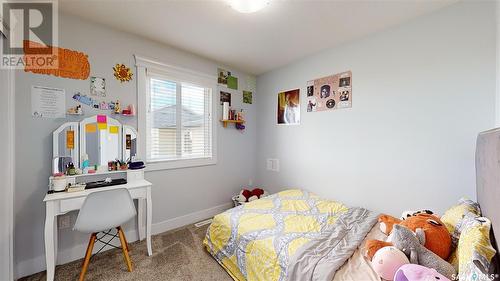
(281, 33)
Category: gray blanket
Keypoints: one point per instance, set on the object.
(322, 257)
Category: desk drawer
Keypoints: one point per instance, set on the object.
(135, 175)
(71, 204)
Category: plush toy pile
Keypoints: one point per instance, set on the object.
(249, 196)
(417, 245)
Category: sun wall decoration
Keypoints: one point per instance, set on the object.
(122, 72)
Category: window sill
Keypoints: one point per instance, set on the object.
(179, 164)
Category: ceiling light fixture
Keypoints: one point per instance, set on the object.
(248, 6)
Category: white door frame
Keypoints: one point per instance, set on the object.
(7, 113)
(7, 186)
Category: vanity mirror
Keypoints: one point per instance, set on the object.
(129, 143)
(98, 139)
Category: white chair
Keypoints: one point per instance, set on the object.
(103, 211)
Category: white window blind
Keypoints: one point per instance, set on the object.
(178, 121)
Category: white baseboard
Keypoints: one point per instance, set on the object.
(189, 218)
(28, 267)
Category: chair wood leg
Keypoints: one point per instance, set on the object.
(88, 254)
(126, 242)
(123, 241)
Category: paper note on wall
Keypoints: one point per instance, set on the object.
(102, 126)
(70, 139)
(48, 102)
(90, 128)
(101, 119)
(113, 129)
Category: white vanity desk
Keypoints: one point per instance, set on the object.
(63, 202)
(93, 141)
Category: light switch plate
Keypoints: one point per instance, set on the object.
(269, 164)
(273, 165)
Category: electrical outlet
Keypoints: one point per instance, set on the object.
(64, 222)
(250, 182)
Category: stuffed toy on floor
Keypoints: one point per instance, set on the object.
(249, 196)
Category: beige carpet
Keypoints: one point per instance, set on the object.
(177, 255)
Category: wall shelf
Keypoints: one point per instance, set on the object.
(225, 122)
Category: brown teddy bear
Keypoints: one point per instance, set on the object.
(437, 237)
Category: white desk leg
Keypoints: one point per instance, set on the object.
(50, 246)
(56, 239)
(149, 213)
(140, 218)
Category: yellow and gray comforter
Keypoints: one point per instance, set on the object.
(291, 235)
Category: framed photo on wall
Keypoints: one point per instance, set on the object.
(288, 112)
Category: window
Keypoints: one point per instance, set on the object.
(177, 121)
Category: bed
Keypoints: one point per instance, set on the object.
(291, 235)
(296, 235)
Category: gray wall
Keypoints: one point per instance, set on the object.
(421, 93)
(175, 192)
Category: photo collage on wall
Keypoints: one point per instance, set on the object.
(329, 93)
(229, 81)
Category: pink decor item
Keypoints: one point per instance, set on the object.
(132, 109)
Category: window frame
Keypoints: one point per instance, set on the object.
(179, 75)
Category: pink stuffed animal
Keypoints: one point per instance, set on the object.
(387, 260)
(415, 272)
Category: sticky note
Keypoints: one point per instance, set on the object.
(101, 119)
(113, 129)
(70, 139)
(102, 126)
(90, 128)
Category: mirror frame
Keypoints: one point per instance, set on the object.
(75, 152)
(79, 129)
